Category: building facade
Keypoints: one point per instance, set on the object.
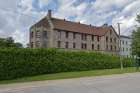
(125, 46)
(59, 33)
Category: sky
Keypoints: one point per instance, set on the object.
(17, 16)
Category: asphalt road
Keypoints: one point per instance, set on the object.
(125, 83)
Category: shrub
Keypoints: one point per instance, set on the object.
(15, 63)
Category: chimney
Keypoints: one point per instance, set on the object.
(49, 13)
(105, 25)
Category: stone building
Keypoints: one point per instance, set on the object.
(52, 32)
(126, 49)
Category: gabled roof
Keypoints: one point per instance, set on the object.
(42, 22)
(74, 26)
(78, 27)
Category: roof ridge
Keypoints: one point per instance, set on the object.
(77, 22)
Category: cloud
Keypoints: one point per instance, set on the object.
(127, 17)
(7, 5)
(108, 5)
(16, 16)
(20, 37)
(44, 2)
(67, 9)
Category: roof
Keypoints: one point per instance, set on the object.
(42, 22)
(78, 27)
(65, 25)
(123, 36)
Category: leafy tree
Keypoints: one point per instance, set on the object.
(136, 40)
(138, 18)
(19, 45)
(9, 42)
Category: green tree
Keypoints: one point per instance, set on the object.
(136, 40)
(9, 42)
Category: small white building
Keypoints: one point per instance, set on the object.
(125, 46)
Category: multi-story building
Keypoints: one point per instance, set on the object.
(125, 46)
(51, 32)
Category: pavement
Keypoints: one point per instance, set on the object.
(124, 83)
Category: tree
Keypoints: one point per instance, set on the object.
(136, 40)
(9, 42)
(19, 45)
(138, 18)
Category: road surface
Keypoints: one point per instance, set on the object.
(125, 83)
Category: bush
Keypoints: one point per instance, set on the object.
(15, 63)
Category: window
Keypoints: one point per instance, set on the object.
(59, 34)
(123, 42)
(126, 49)
(111, 48)
(38, 34)
(67, 45)
(110, 39)
(32, 34)
(106, 47)
(115, 48)
(74, 45)
(84, 46)
(126, 42)
(32, 44)
(59, 44)
(115, 40)
(67, 34)
(74, 35)
(45, 34)
(98, 47)
(84, 36)
(92, 37)
(110, 32)
(106, 39)
(123, 49)
(92, 46)
(98, 38)
(37, 44)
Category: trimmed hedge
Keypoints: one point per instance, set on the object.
(15, 63)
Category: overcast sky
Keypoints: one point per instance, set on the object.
(16, 16)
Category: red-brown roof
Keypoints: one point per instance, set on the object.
(42, 22)
(78, 27)
(73, 26)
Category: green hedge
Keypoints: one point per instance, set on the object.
(15, 63)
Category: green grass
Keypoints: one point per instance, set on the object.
(67, 75)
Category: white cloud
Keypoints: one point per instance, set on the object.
(26, 6)
(7, 5)
(44, 2)
(14, 23)
(67, 8)
(127, 17)
(108, 5)
(16, 16)
(19, 36)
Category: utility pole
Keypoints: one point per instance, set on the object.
(119, 30)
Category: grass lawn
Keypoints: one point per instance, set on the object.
(66, 75)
